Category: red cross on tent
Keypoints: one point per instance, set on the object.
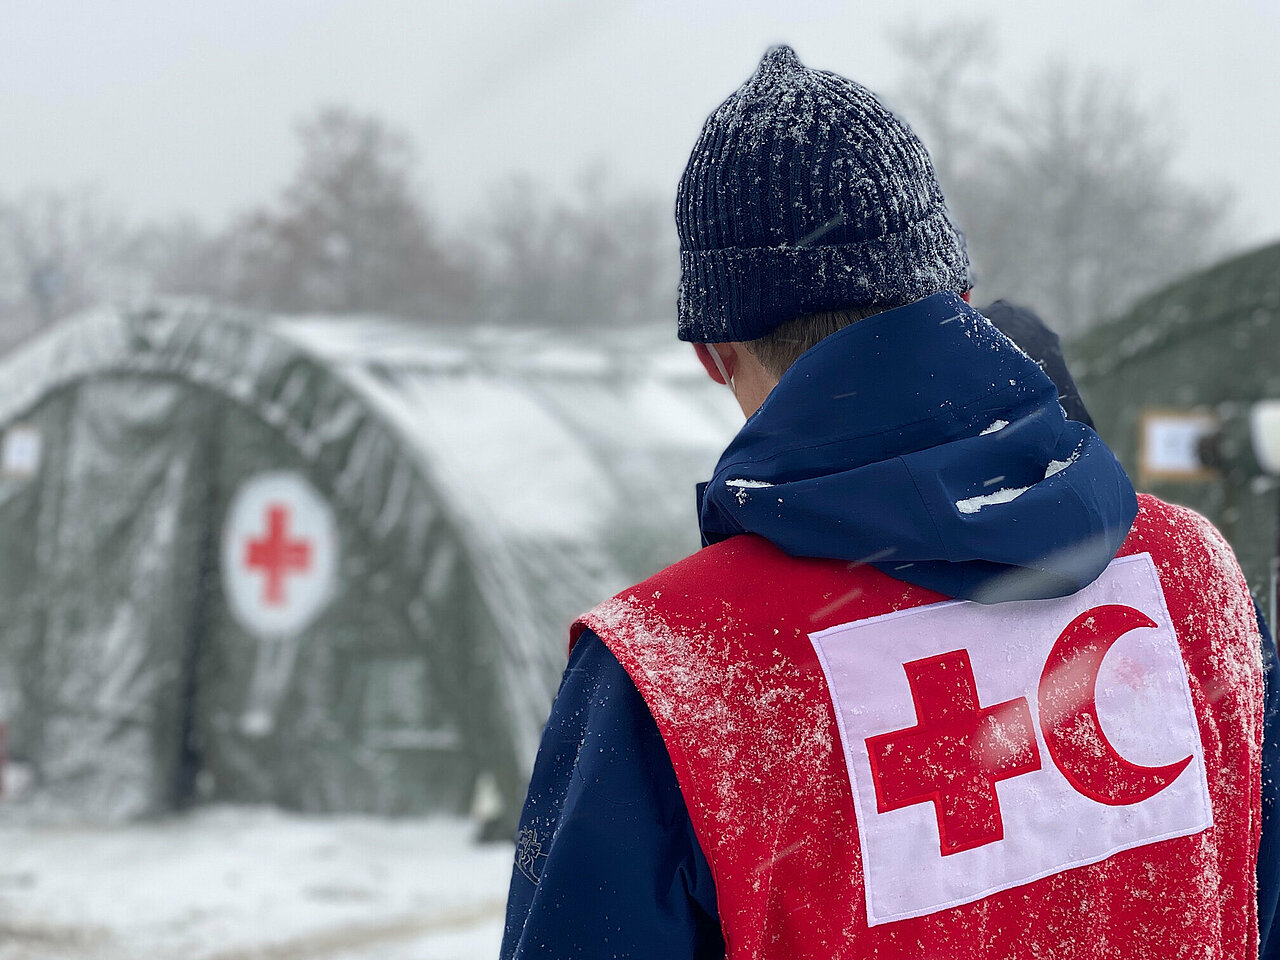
(956, 753)
(276, 556)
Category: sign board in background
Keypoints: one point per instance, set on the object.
(20, 451)
(1264, 430)
(1169, 445)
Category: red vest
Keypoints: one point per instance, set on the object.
(796, 798)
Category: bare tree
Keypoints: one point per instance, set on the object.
(946, 92)
(1082, 210)
(59, 250)
(599, 257)
(179, 256)
(1064, 187)
(348, 234)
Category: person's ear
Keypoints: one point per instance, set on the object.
(719, 365)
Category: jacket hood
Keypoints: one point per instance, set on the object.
(923, 441)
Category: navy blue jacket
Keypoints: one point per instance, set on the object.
(863, 440)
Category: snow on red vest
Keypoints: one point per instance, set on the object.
(873, 770)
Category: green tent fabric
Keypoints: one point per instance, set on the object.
(1208, 345)
(325, 563)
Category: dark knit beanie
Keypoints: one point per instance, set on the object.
(806, 194)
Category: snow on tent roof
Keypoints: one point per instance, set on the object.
(558, 467)
(1241, 289)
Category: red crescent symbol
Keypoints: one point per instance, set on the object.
(1069, 711)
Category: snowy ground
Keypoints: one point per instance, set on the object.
(251, 884)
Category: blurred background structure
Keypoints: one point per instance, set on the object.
(338, 372)
(1172, 386)
(324, 564)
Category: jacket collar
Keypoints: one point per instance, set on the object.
(924, 441)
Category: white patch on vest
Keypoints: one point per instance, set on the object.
(1143, 704)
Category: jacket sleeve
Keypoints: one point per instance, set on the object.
(1269, 848)
(607, 863)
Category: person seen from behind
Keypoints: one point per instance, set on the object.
(939, 683)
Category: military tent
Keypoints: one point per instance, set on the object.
(323, 563)
(1170, 385)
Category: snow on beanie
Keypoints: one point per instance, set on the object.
(806, 194)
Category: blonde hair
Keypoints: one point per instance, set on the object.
(782, 346)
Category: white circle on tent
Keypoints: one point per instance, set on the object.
(279, 554)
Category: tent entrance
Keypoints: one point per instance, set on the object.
(109, 539)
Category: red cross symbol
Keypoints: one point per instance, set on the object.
(276, 555)
(955, 755)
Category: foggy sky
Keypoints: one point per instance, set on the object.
(188, 107)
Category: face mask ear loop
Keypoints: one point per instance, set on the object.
(715, 358)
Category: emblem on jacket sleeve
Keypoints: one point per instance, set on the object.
(530, 853)
(989, 746)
